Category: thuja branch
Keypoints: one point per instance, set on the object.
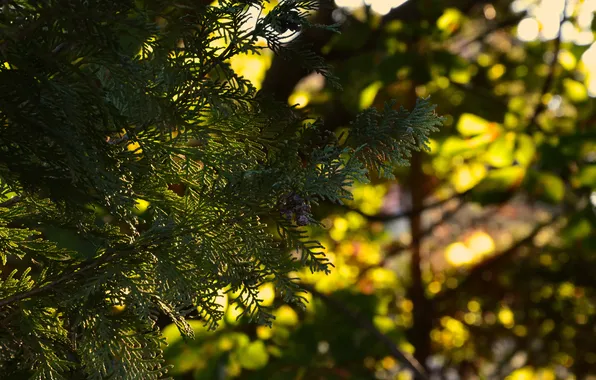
(81, 269)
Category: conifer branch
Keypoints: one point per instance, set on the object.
(90, 104)
(81, 269)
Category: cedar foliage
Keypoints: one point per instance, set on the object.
(105, 104)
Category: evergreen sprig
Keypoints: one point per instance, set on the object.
(108, 104)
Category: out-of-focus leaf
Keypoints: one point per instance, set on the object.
(86, 246)
(575, 90)
(232, 313)
(496, 72)
(285, 315)
(472, 147)
(267, 294)
(384, 323)
(449, 21)
(453, 146)
(579, 227)
(466, 177)
(498, 184)
(587, 176)
(460, 75)
(367, 96)
(500, 152)
(525, 150)
(567, 60)
(471, 125)
(546, 186)
(254, 355)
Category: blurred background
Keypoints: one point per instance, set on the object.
(479, 259)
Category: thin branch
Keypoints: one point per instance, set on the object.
(364, 322)
(11, 202)
(489, 264)
(541, 107)
(408, 213)
(486, 32)
(399, 249)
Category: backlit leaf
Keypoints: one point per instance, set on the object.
(470, 125)
(254, 355)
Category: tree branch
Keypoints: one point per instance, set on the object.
(422, 313)
(485, 33)
(365, 323)
(84, 267)
(396, 250)
(489, 264)
(407, 213)
(541, 107)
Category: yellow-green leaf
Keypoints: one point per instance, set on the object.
(254, 355)
(500, 180)
(500, 152)
(285, 315)
(587, 176)
(547, 187)
(367, 96)
(470, 125)
(449, 20)
(576, 91)
(524, 154)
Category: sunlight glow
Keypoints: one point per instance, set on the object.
(589, 60)
(528, 29)
(481, 243)
(544, 17)
(299, 99)
(506, 317)
(458, 254)
(349, 4)
(381, 7)
(489, 12)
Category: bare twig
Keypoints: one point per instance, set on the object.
(364, 322)
(540, 107)
(489, 264)
(408, 213)
(401, 248)
(486, 32)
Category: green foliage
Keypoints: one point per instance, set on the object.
(107, 105)
(501, 210)
(384, 145)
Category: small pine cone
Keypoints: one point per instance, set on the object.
(286, 214)
(295, 200)
(302, 220)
